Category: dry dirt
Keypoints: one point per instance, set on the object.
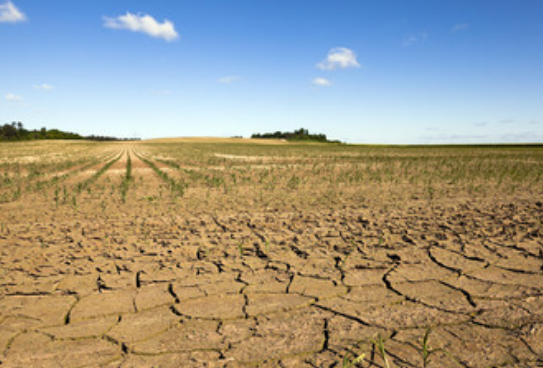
(215, 278)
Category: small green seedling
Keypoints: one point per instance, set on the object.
(379, 344)
(57, 197)
(350, 363)
(426, 352)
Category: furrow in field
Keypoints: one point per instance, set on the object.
(25, 185)
(177, 187)
(189, 174)
(52, 173)
(85, 184)
(200, 176)
(144, 185)
(73, 171)
(12, 187)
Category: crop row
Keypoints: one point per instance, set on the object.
(85, 184)
(177, 188)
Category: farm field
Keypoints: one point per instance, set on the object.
(247, 253)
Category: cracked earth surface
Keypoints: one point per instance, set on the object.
(142, 287)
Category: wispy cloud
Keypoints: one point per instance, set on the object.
(321, 82)
(339, 58)
(459, 27)
(10, 14)
(44, 86)
(414, 39)
(143, 23)
(229, 79)
(13, 97)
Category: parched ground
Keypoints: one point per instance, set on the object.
(155, 255)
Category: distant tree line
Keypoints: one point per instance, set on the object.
(17, 132)
(101, 138)
(297, 135)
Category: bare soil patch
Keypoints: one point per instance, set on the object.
(161, 265)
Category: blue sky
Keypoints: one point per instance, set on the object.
(366, 71)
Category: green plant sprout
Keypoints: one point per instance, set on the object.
(240, 248)
(426, 352)
(346, 363)
(379, 344)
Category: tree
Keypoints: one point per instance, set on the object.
(9, 132)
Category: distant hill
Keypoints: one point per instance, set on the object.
(297, 135)
(16, 132)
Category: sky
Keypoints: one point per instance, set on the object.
(361, 71)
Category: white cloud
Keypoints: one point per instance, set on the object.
(459, 27)
(44, 86)
(13, 97)
(339, 57)
(143, 23)
(229, 79)
(322, 82)
(413, 39)
(10, 14)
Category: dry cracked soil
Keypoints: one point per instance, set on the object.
(153, 284)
